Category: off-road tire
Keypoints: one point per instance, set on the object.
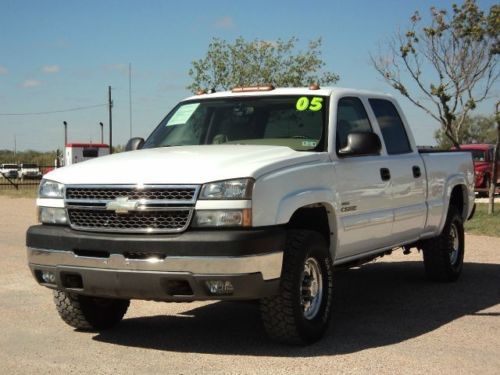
(439, 263)
(89, 313)
(283, 315)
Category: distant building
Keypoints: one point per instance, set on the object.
(78, 152)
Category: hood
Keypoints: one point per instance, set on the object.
(481, 165)
(183, 165)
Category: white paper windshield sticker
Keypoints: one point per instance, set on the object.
(309, 143)
(183, 114)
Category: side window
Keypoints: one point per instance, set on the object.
(391, 125)
(351, 117)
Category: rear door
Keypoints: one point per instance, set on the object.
(407, 172)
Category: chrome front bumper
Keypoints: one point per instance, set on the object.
(252, 277)
(269, 265)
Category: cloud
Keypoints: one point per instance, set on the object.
(120, 68)
(61, 43)
(3, 70)
(51, 69)
(225, 22)
(28, 83)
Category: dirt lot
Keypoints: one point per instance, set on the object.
(387, 319)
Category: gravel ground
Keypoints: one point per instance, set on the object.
(387, 319)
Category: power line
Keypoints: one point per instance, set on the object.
(50, 112)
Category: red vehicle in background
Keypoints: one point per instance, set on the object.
(482, 155)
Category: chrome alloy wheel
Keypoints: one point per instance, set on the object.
(311, 288)
(455, 241)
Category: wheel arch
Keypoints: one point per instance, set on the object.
(456, 194)
(312, 210)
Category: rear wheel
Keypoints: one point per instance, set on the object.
(444, 255)
(300, 313)
(88, 313)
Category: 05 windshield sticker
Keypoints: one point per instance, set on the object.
(183, 114)
(314, 104)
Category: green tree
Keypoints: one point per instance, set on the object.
(475, 129)
(28, 156)
(448, 66)
(245, 63)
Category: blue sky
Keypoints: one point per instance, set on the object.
(56, 55)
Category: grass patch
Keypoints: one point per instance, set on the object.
(484, 224)
(23, 192)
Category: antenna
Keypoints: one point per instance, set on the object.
(130, 96)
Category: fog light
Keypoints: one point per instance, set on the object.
(49, 277)
(52, 215)
(220, 287)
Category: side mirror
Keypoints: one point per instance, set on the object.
(134, 144)
(361, 143)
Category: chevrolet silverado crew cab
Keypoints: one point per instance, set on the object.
(254, 194)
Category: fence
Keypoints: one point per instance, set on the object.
(28, 181)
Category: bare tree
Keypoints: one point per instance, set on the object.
(447, 67)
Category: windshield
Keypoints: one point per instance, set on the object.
(10, 166)
(29, 166)
(478, 155)
(293, 121)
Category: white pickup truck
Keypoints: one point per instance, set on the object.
(253, 194)
(9, 170)
(29, 171)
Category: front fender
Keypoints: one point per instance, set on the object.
(293, 201)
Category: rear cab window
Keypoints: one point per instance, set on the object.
(392, 127)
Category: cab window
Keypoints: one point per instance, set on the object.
(351, 117)
(392, 127)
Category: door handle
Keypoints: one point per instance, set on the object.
(416, 171)
(385, 174)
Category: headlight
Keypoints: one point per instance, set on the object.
(51, 189)
(223, 218)
(230, 189)
(52, 215)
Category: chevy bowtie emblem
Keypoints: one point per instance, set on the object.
(122, 205)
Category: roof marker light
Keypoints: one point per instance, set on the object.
(252, 88)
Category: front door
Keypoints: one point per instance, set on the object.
(364, 191)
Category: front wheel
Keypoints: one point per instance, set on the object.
(88, 313)
(444, 255)
(300, 313)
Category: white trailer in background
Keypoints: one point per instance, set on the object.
(78, 152)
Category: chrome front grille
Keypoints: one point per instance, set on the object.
(131, 209)
(136, 221)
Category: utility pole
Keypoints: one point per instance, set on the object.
(110, 104)
(65, 133)
(494, 174)
(102, 132)
(15, 145)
